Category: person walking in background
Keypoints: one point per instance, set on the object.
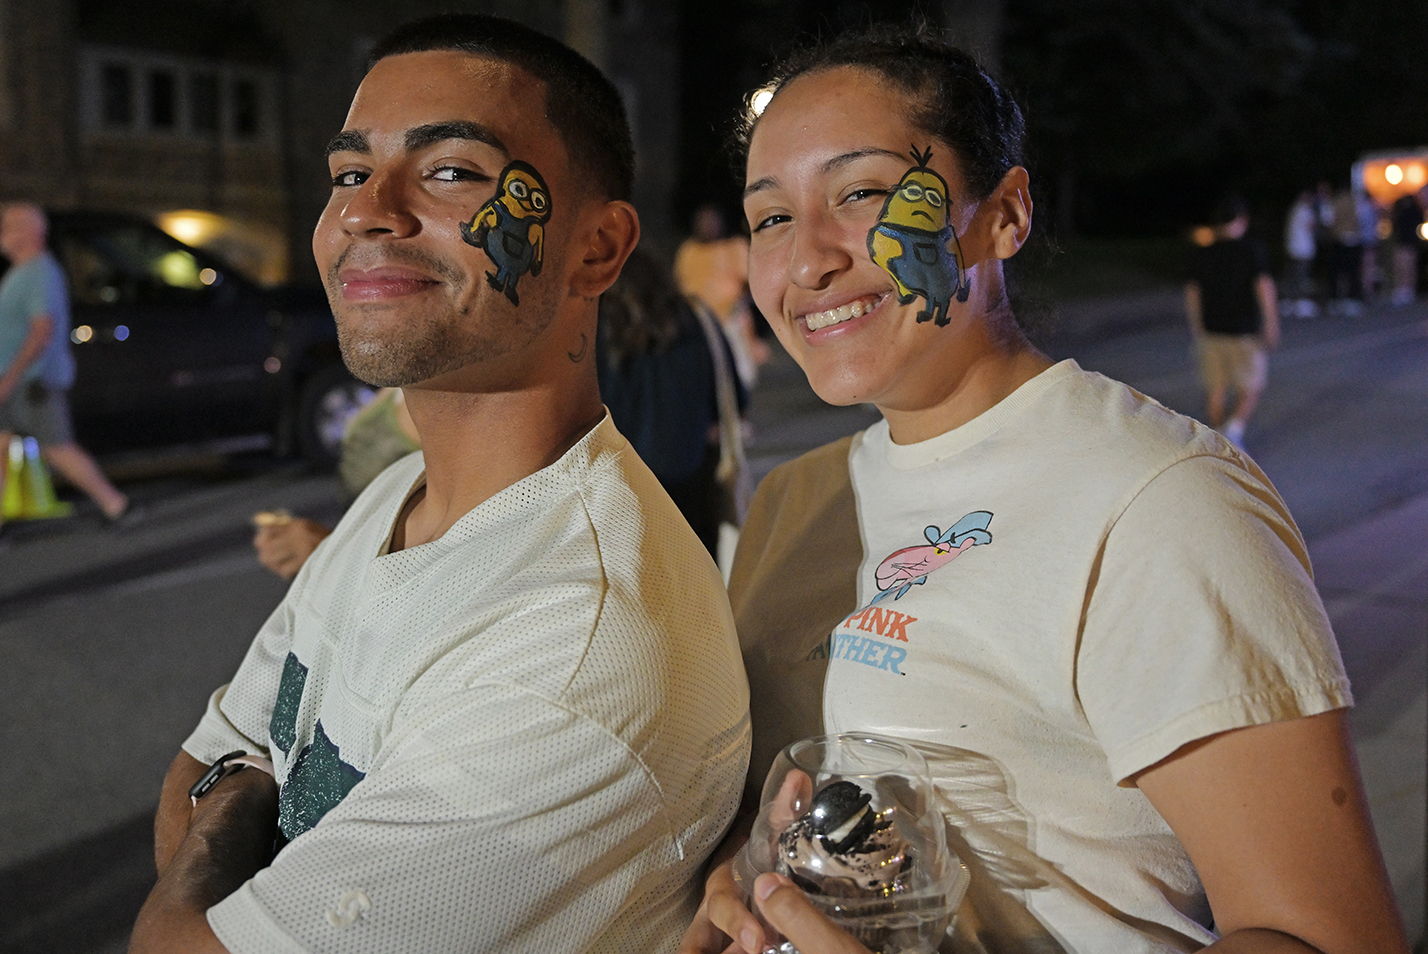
(1405, 218)
(36, 367)
(1234, 318)
(713, 266)
(666, 374)
(1299, 247)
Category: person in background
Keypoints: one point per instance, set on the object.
(1093, 616)
(36, 367)
(378, 436)
(501, 708)
(1346, 277)
(666, 374)
(712, 266)
(1369, 217)
(1405, 218)
(1234, 318)
(1299, 248)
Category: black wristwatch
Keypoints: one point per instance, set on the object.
(219, 770)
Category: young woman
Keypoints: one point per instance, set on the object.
(1095, 616)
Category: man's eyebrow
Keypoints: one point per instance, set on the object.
(349, 140)
(419, 137)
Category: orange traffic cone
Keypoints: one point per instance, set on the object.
(29, 492)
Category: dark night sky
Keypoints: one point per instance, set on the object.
(1139, 112)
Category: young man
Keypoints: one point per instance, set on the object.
(36, 369)
(1230, 302)
(503, 701)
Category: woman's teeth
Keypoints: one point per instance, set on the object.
(822, 319)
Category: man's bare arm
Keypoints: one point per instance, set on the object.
(171, 822)
(41, 327)
(229, 839)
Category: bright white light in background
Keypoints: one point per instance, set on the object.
(208, 276)
(81, 334)
(760, 101)
(1423, 231)
(190, 227)
(1394, 173)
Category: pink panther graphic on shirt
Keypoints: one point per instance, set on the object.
(908, 567)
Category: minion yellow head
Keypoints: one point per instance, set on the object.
(524, 193)
(920, 199)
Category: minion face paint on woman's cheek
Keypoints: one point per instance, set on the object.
(510, 227)
(914, 242)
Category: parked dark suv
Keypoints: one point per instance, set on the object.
(174, 347)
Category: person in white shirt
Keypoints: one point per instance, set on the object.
(1094, 616)
(501, 707)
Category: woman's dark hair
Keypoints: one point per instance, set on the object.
(950, 96)
(580, 102)
(639, 314)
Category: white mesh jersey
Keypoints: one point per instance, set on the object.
(1051, 598)
(524, 736)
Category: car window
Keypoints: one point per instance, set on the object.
(126, 263)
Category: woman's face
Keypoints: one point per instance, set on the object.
(826, 155)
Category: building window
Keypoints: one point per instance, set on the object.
(116, 95)
(203, 103)
(245, 108)
(163, 98)
(131, 92)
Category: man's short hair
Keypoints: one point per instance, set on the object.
(580, 102)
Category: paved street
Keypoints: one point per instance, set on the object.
(110, 643)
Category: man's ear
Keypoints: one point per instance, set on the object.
(615, 232)
(1010, 209)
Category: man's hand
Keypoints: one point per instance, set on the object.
(230, 837)
(284, 543)
(787, 909)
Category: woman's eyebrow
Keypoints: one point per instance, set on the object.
(767, 182)
(842, 159)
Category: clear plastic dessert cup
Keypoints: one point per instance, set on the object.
(853, 821)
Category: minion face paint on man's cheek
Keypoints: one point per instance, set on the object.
(914, 242)
(510, 227)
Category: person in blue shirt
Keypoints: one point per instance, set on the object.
(36, 368)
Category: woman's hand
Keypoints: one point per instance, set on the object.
(787, 909)
(721, 917)
(724, 924)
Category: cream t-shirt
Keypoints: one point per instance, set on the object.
(526, 735)
(1052, 597)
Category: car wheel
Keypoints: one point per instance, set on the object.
(329, 399)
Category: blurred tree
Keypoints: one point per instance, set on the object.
(1121, 89)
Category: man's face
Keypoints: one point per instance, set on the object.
(423, 149)
(22, 232)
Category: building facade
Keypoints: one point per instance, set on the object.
(212, 116)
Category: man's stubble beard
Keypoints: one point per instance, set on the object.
(437, 335)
